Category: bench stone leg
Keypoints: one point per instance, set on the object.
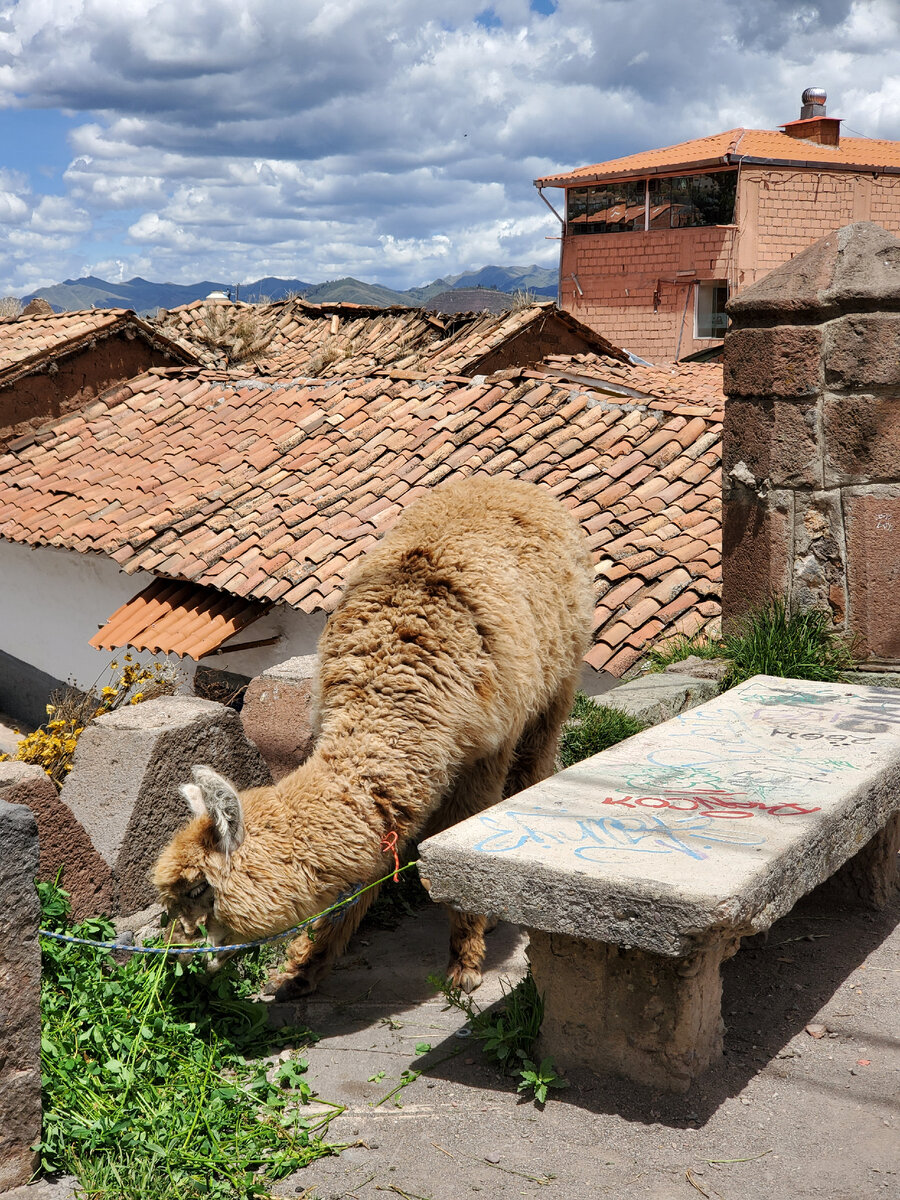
(650, 1018)
(871, 877)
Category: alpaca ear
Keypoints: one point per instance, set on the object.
(194, 798)
(211, 794)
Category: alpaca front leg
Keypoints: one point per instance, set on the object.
(466, 950)
(309, 959)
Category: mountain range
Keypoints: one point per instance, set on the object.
(146, 297)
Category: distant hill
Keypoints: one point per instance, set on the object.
(541, 281)
(144, 296)
(353, 291)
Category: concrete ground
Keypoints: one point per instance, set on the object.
(786, 1114)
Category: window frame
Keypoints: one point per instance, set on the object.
(715, 284)
(581, 228)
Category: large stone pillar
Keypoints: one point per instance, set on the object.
(811, 454)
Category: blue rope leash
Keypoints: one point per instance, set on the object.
(344, 900)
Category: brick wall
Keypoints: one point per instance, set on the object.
(73, 381)
(632, 292)
(796, 208)
(779, 211)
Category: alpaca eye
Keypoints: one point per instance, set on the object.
(196, 892)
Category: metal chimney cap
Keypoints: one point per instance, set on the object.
(814, 95)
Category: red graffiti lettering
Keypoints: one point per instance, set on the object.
(720, 804)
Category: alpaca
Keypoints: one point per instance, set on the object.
(445, 674)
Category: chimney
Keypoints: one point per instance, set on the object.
(813, 125)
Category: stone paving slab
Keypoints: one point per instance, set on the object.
(720, 818)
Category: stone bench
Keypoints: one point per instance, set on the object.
(638, 871)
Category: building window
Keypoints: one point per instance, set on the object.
(710, 320)
(691, 200)
(633, 206)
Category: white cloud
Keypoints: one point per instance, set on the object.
(334, 137)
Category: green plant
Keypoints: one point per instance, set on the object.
(699, 645)
(52, 745)
(591, 728)
(151, 1079)
(799, 645)
(508, 1033)
(540, 1078)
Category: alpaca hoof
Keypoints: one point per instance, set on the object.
(467, 979)
(295, 987)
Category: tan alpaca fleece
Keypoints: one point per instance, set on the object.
(445, 674)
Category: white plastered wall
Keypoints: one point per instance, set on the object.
(53, 601)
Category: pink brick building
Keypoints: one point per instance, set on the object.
(655, 243)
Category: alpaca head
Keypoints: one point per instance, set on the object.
(192, 872)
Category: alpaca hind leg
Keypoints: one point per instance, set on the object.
(535, 751)
(466, 950)
(311, 958)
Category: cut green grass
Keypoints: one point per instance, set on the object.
(150, 1088)
(591, 728)
(799, 645)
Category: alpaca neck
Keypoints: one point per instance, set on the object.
(394, 782)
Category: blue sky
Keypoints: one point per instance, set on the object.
(398, 141)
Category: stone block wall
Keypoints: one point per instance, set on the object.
(811, 469)
(124, 787)
(65, 845)
(278, 714)
(20, 984)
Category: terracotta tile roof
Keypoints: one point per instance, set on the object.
(177, 618)
(734, 146)
(685, 385)
(27, 342)
(269, 492)
(348, 340)
(470, 349)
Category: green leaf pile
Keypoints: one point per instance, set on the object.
(152, 1086)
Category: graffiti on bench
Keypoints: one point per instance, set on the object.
(599, 839)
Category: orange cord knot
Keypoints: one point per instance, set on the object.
(389, 846)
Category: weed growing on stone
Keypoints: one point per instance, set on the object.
(682, 647)
(508, 1033)
(591, 728)
(799, 645)
(155, 1076)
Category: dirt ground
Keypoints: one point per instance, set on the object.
(784, 1115)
